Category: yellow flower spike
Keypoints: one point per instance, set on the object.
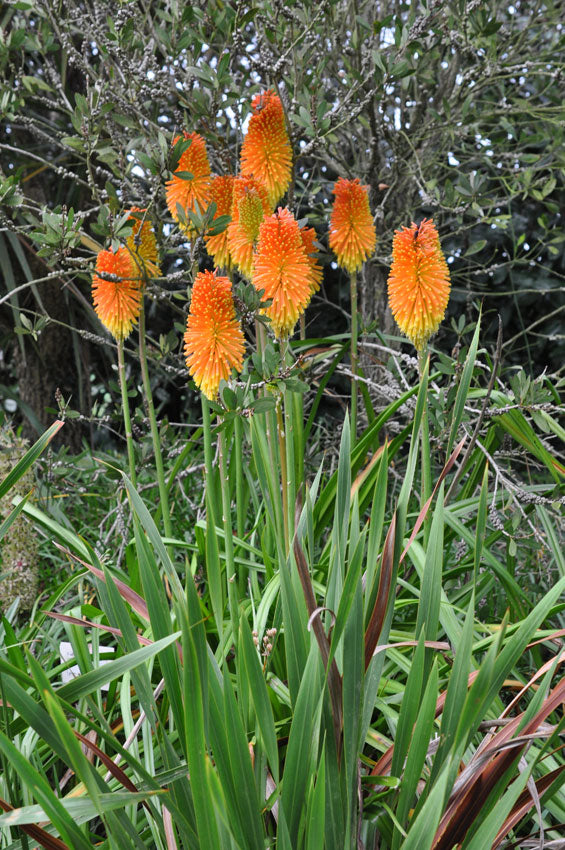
(143, 245)
(352, 232)
(117, 300)
(419, 282)
(194, 160)
(221, 193)
(282, 269)
(250, 206)
(266, 153)
(213, 341)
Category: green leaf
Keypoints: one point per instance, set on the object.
(94, 679)
(430, 593)
(302, 743)
(420, 740)
(259, 697)
(29, 458)
(424, 825)
(475, 247)
(44, 794)
(80, 809)
(463, 389)
(195, 743)
(13, 515)
(315, 820)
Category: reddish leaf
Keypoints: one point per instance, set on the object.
(524, 803)
(50, 842)
(65, 618)
(382, 767)
(383, 594)
(425, 508)
(334, 679)
(130, 596)
(486, 768)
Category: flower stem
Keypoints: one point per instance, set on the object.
(213, 567)
(231, 575)
(354, 332)
(425, 444)
(125, 412)
(163, 494)
(282, 424)
(284, 477)
(240, 504)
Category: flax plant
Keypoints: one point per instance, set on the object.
(322, 672)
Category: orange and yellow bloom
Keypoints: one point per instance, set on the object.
(116, 291)
(187, 191)
(143, 245)
(250, 206)
(352, 232)
(213, 342)
(221, 193)
(266, 153)
(282, 269)
(418, 283)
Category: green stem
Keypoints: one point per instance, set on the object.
(239, 493)
(284, 477)
(426, 487)
(213, 567)
(270, 417)
(282, 424)
(231, 575)
(354, 332)
(163, 494)
(125, 411)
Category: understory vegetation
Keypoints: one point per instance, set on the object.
(275, 573)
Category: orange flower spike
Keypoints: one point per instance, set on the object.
(308, 235)
(213, 342)
(419, 282)
(185, 192)
(221, 193)
(143, 245)
(250, 206)
(117, 302)
(282, 269)
(266, 152)
(352, 232)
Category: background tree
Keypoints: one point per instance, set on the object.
(447, 109)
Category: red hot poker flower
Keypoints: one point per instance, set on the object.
(143, 245)
(221, 193)
(282, 269)
(250, 206)
(419, 282)
(213, 342)
(352, 232)
(266, 153)
(194, 161)
(116, 291)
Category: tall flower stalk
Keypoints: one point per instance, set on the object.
(418, 288)
(352, 239)
(231, 575)
(163, 492)
(354, 361)
(142, 246)
(125, 411)
(117, 297)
